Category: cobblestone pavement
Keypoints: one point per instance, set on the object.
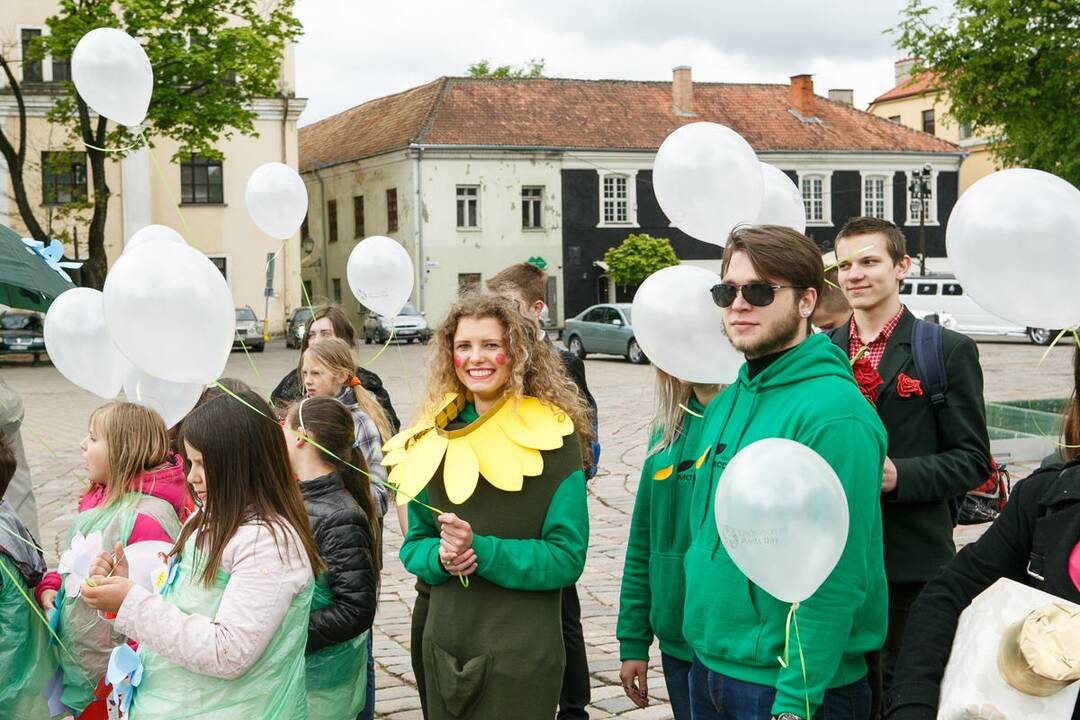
(57, 411)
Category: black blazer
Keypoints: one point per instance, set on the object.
(1033, 536)
(939, 454)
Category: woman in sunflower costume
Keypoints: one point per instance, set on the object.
(499, 452)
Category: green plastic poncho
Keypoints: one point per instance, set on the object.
(26, 660)
(272, 689)
(336, 676)
(90, 638)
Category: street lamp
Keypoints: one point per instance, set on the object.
(919, 188)
(308, 244)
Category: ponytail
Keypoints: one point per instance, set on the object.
(372, 408)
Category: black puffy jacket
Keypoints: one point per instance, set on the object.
(343, 536)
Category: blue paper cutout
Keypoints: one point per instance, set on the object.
(52, 255)
(124, 674)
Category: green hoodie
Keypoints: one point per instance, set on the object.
(734, 627)
(654, 582)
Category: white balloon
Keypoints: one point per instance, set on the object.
(783, 517)
(79, 344)
(781, 203)
(146, 560)
(1013, 241)
(154, 232)
(171, 400)
(170, 312)
(707, 180)
(276, 199)
(681, 329)
(380, 274)
(113, 75)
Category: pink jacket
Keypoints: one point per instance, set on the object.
(168, 483)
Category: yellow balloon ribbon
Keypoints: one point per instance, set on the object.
(792, 619)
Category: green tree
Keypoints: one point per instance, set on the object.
(1012, 69)
(534, 68)
(211, 60)
(638, 257)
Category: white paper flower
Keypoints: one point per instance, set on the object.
(75, 561)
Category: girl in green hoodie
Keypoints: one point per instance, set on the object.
(651, 600)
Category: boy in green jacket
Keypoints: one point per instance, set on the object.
(801, 388)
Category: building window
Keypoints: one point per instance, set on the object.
(391, 210)
(358, 216)
(331, 221)
(31, 71)
(875, 196)
(336, 282)
(467, 281)
(305, 231)
(532, 207)
(928, 121)
(308, 291)
(61, 70)
(915, 207)
(816, 189)
(222, 264)
(615, 197)
(894, 119)
(63, 177)
(468, 201)
(201, 181)
(965, 131)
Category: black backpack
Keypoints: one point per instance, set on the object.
(984, 502)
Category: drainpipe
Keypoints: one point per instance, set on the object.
(284, 259)
(325, 230)
(421, 262)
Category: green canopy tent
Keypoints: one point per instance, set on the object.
(27, 280)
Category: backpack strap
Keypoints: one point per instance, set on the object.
(929, 355)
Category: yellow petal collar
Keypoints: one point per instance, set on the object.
(503, 445)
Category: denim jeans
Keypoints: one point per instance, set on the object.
(677, 679)
(368, 713)
(718, 697)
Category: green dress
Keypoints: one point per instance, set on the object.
(494, 650)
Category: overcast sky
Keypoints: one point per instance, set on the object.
(356, 50)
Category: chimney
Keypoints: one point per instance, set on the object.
(802, 95)
(902, 68)
(844, 97)
(682, 91)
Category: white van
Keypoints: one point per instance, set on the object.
(943, 296)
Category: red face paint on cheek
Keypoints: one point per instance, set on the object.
(458, 361)
(500, 359)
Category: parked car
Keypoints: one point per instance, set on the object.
(294, 332)
(22, 331)
(248, 329)
(603, 329)
(943, 295)
(409, 325)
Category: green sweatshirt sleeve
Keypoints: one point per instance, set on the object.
(553, 561)
(420, 548)
(855, 450)
(633, 630)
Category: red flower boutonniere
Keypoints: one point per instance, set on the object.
(867, 378)
(907, 386)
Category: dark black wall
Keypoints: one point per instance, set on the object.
(584, 243)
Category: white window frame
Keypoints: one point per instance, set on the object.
(46, 62)
(227, 257)
(826, 195)
(537, 200)
(931, 215)
(631, 198)
(465, 198)
(887, 187)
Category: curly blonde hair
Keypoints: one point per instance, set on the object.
(535, 367)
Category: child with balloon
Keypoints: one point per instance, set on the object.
(319, 437)
(225, 636)
(136, 493)
(654, 582)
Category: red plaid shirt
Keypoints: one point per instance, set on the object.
(875, 349)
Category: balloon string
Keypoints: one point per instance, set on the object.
(858, 355)
(792, 619)
(849, 258)
(41, 441)
(405, 374)
(386, 344)
(124, 149)
(189, 236)
(37, 611)
(21, 539)
(307, 298)
(251, 362)
(1057, 340)
(691, 412)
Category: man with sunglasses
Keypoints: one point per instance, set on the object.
(935, 454)
(794, 385)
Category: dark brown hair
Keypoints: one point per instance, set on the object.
(330, 424)
(525, 278)
(1070, 430)
(343, 330)
(895, 244)
(8, 464)
(777, 253)
(248, 477)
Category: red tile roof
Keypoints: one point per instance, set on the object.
(917, 85)
(592, 114)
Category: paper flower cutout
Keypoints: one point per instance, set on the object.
(75, 561)
(52, 255)
(124, 675)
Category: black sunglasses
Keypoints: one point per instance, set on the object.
(758, 294)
